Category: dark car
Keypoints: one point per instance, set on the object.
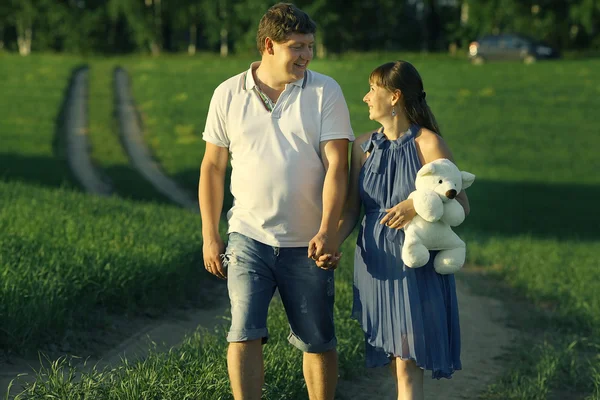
(509, 47)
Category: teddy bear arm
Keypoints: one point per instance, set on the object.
(454, 214)
(428, 205)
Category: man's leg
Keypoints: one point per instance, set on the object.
(246, 369)
(321, 374)
(251, 285)
(308, 293)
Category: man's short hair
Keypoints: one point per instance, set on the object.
(280, 21)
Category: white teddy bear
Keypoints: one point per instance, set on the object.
(437, 185)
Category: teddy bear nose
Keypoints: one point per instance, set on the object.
(451, 194)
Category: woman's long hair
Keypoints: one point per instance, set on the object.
(403, 76)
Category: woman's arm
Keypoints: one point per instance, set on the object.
(430, 147)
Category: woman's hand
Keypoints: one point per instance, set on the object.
(329, 261)
(399, 215)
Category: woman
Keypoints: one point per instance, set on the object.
(409, 316)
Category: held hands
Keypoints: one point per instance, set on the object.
(322, 250)
(212, 250)
(399, 215)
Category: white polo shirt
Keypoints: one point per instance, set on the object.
(277, 173)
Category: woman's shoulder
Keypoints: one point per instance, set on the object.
(427, 138)
(362, 144)
(431, 145)
(364, 138)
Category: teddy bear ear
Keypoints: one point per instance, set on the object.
(426, 169)
(467, 179)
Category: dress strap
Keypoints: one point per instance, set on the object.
(367, 146)
(375, 145)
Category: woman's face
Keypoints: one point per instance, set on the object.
(379, 100)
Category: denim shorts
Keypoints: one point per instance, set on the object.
(255, 270)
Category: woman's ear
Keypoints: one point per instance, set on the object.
(396, 95)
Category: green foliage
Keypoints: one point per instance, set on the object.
(116, 26)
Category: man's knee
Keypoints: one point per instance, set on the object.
(322, 354)
(245, 344)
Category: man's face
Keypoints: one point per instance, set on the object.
(291, 57)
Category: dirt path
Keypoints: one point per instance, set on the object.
(131, 338)
(135, 145)
(485, 337)
(78, 146)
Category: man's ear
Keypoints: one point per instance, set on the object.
(269, 45)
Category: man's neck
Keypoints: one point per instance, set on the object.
(267, 80)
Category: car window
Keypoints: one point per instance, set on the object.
(489, 41)
(506, 42)
(520, 43)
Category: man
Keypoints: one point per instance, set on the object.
(287, 129)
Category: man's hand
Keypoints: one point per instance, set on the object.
(323, 244)
(212, 249)
(399, 215)
(329, 261)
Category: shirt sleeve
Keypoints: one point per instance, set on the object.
(335, 117)
(215, 131)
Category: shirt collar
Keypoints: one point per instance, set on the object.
(249, 82)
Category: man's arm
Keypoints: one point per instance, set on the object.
(211, 189)
(351, 211)
(335, 160)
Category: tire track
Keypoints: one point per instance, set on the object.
(77, 142)
(135, 146)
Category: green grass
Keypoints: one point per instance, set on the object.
(527, 132)
(67, 258)
(64, 256)
(32, 90)
(172, 95)
(107, 149)
(198, 370)
(529, 135)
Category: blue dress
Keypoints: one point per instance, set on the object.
(404, 312)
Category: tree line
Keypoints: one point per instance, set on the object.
(225, 26)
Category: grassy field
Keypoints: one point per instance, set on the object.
(32, 91)
(104, 133)
(67, 256)
(529, 135)
(67, 259)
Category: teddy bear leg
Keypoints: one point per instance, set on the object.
(449, 261)
(414, 254)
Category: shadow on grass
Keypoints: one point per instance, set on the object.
(42, 171)
(188, 179)
(45, 171)
(554, 211)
